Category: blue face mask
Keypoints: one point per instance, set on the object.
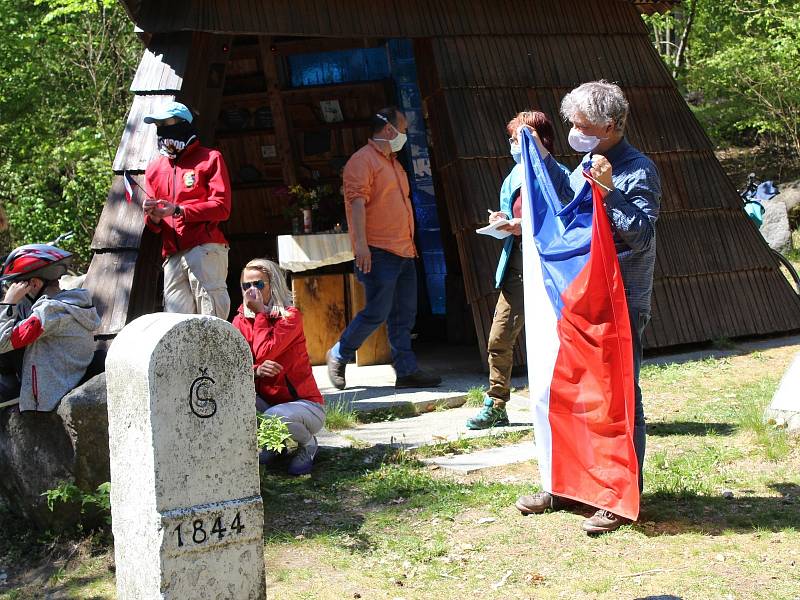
(516, 152)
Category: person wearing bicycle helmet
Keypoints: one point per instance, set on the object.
(53, 328)
(189, 195)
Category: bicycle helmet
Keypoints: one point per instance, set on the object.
(35, 260)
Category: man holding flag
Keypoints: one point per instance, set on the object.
(590, 426)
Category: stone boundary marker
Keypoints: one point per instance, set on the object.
(187, 514)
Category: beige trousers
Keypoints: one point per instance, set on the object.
(194, 281)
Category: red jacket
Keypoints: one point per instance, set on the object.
(280, 339)
(197, 181)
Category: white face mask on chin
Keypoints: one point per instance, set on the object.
(580, 142)
(397, 142)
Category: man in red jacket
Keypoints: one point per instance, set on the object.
(189, 195)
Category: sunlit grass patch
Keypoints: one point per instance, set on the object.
(475, 396)
(752, 400)
(339, 415)
(691, 473)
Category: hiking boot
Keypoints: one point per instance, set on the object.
(542, 502)
(603, 521)
(489, 416)
(417, 379)
(336, 371)
(303, 460)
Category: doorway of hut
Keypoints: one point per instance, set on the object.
(292, 111)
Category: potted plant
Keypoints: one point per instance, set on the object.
(306, 201)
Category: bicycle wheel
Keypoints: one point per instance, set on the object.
(788, 270)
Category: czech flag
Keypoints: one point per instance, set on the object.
(580, 353)
(128, 181)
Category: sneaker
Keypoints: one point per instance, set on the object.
(267, 457)
(542, 502)
(303, 460)
(603, 521)
(417, 379)
(336, 370)
(489, 416)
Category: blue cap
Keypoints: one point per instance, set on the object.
(168, 111)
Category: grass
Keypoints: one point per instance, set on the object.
(720, 514)
(475, 396)
(463, 445)
(340, 415)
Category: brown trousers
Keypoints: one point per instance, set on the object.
(509, 318)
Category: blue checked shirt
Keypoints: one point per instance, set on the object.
(632, 208)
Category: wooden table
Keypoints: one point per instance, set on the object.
(298, 253)
(328, 301)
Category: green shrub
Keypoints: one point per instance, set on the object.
(272, 433)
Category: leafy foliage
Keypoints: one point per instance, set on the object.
(95, 502)
(272, 433)
(739, 66)
(65, 71)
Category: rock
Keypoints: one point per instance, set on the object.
(85, 418)
(790, 196)
(784, 410)
(775, 228)
(727, 494)
(39, 451)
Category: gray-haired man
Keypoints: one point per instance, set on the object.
(598, 111)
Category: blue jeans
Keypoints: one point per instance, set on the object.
(639, 322)
(391, 298)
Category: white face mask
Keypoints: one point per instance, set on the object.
(397, 142)
(580, 142)
(516, 152)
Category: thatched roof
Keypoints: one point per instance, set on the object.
(382, 18)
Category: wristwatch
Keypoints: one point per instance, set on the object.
(177, 212)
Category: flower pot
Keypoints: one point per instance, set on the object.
(308, 225)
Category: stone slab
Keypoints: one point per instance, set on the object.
(485, 459)
(430, 428)
(187, 514)
(371, 388)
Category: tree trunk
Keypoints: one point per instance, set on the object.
(683, 44)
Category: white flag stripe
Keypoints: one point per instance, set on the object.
(541, 339)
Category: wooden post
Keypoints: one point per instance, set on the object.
(321, 299)
(205, 81)
(283, 132)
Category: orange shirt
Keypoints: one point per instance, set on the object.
(383, 184)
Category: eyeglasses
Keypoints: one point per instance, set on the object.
(259, 285)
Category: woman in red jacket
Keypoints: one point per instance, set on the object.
(285, 386)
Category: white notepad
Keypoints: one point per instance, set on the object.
(492, 229)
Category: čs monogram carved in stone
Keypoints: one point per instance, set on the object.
(201, 400)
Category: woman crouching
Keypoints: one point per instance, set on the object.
(285, 386)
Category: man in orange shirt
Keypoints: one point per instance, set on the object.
(381, 223)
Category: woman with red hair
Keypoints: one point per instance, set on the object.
(509, 315)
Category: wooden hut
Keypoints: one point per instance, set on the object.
(476, 63)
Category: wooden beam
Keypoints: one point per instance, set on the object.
(280, 121)
(303, 45)
(205, 81)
